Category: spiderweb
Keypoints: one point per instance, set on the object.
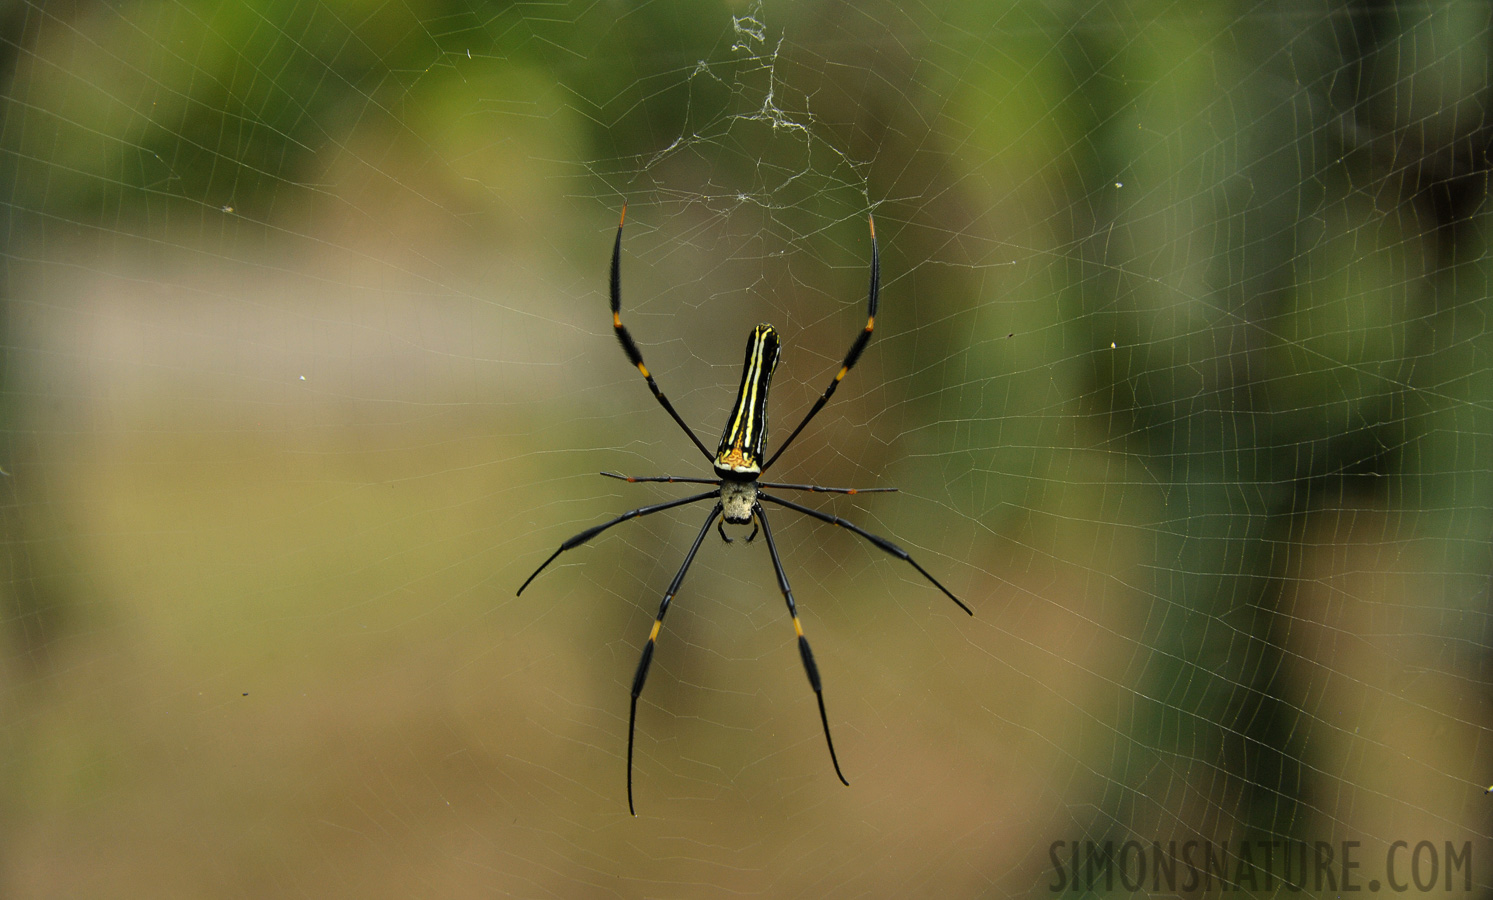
(1182, 371)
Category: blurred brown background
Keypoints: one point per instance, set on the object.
(1183, 369)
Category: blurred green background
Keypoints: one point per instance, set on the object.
(1183, 369)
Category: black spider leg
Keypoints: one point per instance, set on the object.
(810, 668)
(672, 479)
(647, 658)
(634, 355)
(824, 490)
(815, 488)
(879, 541)
(592, 532)
(856, 348)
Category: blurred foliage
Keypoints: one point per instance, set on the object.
(241, 104)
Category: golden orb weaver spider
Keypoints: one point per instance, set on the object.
(736, 490)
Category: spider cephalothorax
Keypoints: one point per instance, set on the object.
(738, 499)
(736, 489)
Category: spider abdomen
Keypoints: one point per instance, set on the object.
(740, 452)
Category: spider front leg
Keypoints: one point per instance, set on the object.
(810, 669)
(646, 660)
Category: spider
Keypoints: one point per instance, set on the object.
(736, 489)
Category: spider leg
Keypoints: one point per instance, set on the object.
(881, 542)
(824, 490)
(810, 668)
(593, 531)
(647, 658)
(670, 479)
(856, 348)
(634, 355)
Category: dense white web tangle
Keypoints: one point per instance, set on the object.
(1182, 371)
